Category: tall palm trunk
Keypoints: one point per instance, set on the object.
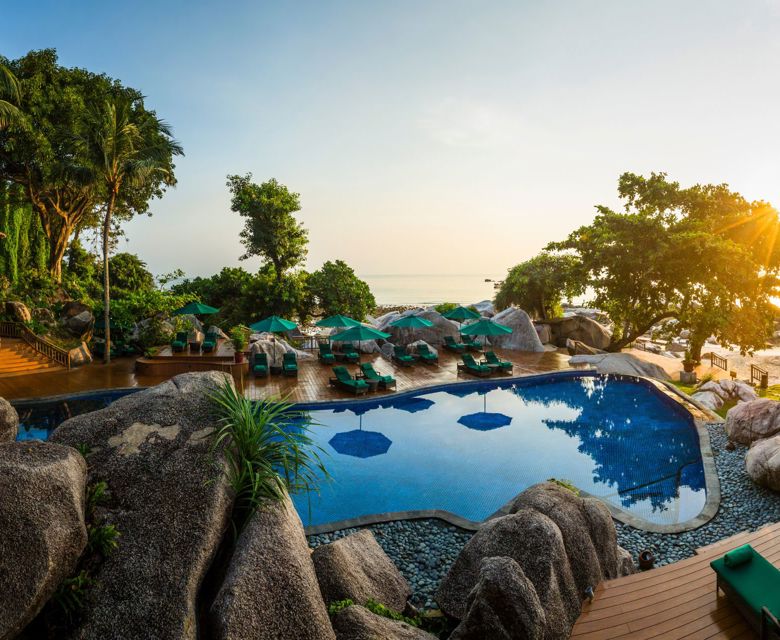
(106, 287)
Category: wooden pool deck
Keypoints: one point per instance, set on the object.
(674, 602)
(310, 385)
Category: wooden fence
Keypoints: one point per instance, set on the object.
(41, 345)
(758, 376)
(719, 361)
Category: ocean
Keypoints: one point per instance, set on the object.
(431, 289)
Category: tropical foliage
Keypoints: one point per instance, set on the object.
(336, 289)
(703, 256)
(541, 284)
(267, 450)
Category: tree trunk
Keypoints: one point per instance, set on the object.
(695, 345)
(629, 336)
(58, 245)
(106, 286)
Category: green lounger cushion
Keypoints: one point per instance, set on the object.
(738, 556)
(754, 579)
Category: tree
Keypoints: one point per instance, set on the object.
(337, 289)
(127, 273)
(227, 290)
(693, 255)
(9, 96)
(270, 229)
(42, 150)
(131, 153)
(540, 284)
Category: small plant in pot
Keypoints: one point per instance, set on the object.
(689, 364)
(238, 338)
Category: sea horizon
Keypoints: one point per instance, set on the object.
(426, 289)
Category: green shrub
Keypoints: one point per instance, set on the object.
(267, 450)
(97, 493)
(374, 607)
(102, 539)
(566, 484)
(445, 307)
(69, 596)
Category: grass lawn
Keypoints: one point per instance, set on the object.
(772, 392)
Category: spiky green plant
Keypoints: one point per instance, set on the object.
(96, 494)
(69, 596)
(102, 539)
(267, 450)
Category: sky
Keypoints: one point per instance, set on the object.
(435, 137)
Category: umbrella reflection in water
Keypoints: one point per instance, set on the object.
(359, 443)
(484, 420)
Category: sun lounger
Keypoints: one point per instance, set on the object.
(349, 353)
(471, 366)
(325, 355)
(752, 583)
(210, 343)
(260, 364)
(451, 345)
(180, 343)
(402, 357)
(471, 343)
(502, 365)
(344, 380)
(369, 373)
(290, 364)
(426, 355)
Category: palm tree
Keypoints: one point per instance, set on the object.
(9, 88)
(132, 150)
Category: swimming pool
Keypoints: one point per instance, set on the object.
(469, 448)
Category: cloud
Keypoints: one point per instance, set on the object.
(464, 123)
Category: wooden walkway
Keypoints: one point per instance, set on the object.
(674, 602)
(310, 385)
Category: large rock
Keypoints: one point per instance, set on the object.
(80, 355)
(523, 337)
(486, 308)
(491, 614)
(77, 318)
(544, 333)
(170, 500)
(356, 568)
(575, 348)
(442, 327)
(586, 527)
(18, 311)
(579, 328)
(762, 462)
(562, 545)
(9, 421)
(622, 364)
(42, 531)
(270, 589)
(708, 399)
(358, 623)
(275, 348)
(751, 421)
(535, 542)
(728, 389)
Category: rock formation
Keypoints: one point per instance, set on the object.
(356, 568)
(42, 529)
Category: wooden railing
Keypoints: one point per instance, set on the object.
(41, 345)
(759, 376)
(719, 361)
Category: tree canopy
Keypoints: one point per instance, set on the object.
(43, 149)
(540, 285)
(337, 290)
(702, 255)
(270, 229)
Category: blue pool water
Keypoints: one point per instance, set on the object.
(471, 448)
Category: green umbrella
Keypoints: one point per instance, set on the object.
(195, 309)
(485, 327)
(411, 322)
(359, 333)
(459, 314)
(273, 324)
(337, 322)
